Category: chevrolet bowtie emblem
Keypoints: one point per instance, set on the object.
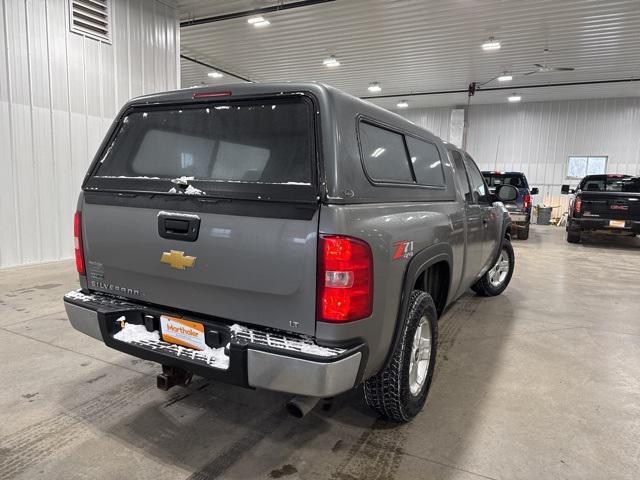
(177, 259)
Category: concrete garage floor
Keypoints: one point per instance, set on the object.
(542, 382)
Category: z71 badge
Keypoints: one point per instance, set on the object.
(402, 249)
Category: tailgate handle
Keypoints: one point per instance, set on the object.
(178, 227)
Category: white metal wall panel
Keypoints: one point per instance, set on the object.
(538, 138)
(59, 92)
(436, 120)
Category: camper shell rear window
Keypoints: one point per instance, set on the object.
(261, 148)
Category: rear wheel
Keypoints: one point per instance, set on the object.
(573, 237)
(398, 392)
(497, 278)
(523, 233)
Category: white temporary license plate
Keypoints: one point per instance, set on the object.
(617, 223)
(182, 332)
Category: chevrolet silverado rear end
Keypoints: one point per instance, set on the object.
(197, 239)
(282, 236)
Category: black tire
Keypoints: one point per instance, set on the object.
(573, 237)
(388, 392)
(523, 233)
(484, 287)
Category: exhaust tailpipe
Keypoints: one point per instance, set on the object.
(300, 406)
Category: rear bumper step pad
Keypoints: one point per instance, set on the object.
(252, 357)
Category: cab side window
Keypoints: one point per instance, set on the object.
(478, 187)
(461, 174)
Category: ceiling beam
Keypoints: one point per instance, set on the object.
(226, 72)
(490, 89)
(247, 13)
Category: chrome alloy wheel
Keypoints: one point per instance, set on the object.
(420, 357)
(500, 270)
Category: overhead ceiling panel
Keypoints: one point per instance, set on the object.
(412, 46)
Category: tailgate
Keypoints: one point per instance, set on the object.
(242, 268)
(620, 206)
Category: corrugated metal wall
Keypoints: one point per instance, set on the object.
(436, 120)
(537, 138)
(59, 91)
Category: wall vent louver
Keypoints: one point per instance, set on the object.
(91, 18)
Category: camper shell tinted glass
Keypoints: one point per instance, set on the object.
(390, 156)
(384, 154)
(426, 161)
(250, 148)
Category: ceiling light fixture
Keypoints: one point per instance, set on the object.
(215, 74)
(402, 104)
(491, 44)
(374, 87)
(515, 98)
(505, 77)
(378, 151)
(258, 21)
(331, 62)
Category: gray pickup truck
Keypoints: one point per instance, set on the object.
(283, 236)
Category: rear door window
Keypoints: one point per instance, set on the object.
(426, 161)
(384, 155)
(241, 145)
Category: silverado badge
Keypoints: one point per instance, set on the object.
(177, 259)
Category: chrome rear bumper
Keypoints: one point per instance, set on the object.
(83, 320)
(299, 376)
(257, 358)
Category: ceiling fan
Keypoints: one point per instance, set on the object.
(546, 68)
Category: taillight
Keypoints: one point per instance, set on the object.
(77, 239)
(527, 201)
(345, 279)
(577, 206)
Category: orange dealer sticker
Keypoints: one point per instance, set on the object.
(182, 332)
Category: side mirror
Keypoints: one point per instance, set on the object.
(535, 191)
(506, 193)
(565, 190)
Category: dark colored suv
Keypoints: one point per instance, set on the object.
(520, 208)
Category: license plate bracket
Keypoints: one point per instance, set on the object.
(183, 332)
